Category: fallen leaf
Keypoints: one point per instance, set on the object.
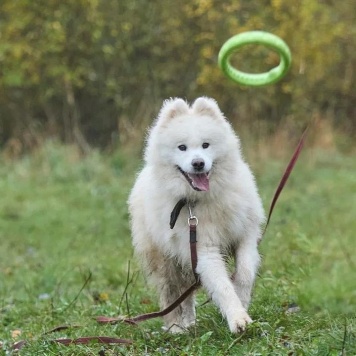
(15, 333)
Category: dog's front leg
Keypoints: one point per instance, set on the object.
(215, 279)
(171, 282)
(247, 261)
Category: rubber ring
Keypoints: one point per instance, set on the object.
(261, 38)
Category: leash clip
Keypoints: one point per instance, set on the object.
(192, 220)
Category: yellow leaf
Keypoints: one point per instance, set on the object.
(15, 333)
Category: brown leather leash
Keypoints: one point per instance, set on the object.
(192, 222)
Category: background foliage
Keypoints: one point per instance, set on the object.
(89, 71)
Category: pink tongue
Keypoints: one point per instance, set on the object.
(200, 181)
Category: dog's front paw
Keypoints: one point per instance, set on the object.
(238, 321)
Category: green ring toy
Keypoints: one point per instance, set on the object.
(255, 37)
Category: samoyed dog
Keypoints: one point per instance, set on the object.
(193, 153)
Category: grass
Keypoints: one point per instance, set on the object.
(66, 257)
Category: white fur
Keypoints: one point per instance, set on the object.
(230, 213)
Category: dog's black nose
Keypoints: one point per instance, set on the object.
(198, 164)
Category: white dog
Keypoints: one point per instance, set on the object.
(193, 153)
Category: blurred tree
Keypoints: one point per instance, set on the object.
(83, 70)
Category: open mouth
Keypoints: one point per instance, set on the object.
(198, 181)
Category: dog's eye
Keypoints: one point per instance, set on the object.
(182, 147)
(205, 145)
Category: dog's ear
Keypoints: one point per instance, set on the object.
(172, 108)
(207, 106)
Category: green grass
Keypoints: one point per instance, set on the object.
(66, 257)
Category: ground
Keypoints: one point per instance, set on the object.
(66, 257)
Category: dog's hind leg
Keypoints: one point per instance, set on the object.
(247, 262)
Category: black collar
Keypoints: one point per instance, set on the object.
(176, 210)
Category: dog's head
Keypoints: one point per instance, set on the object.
(192, 140)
